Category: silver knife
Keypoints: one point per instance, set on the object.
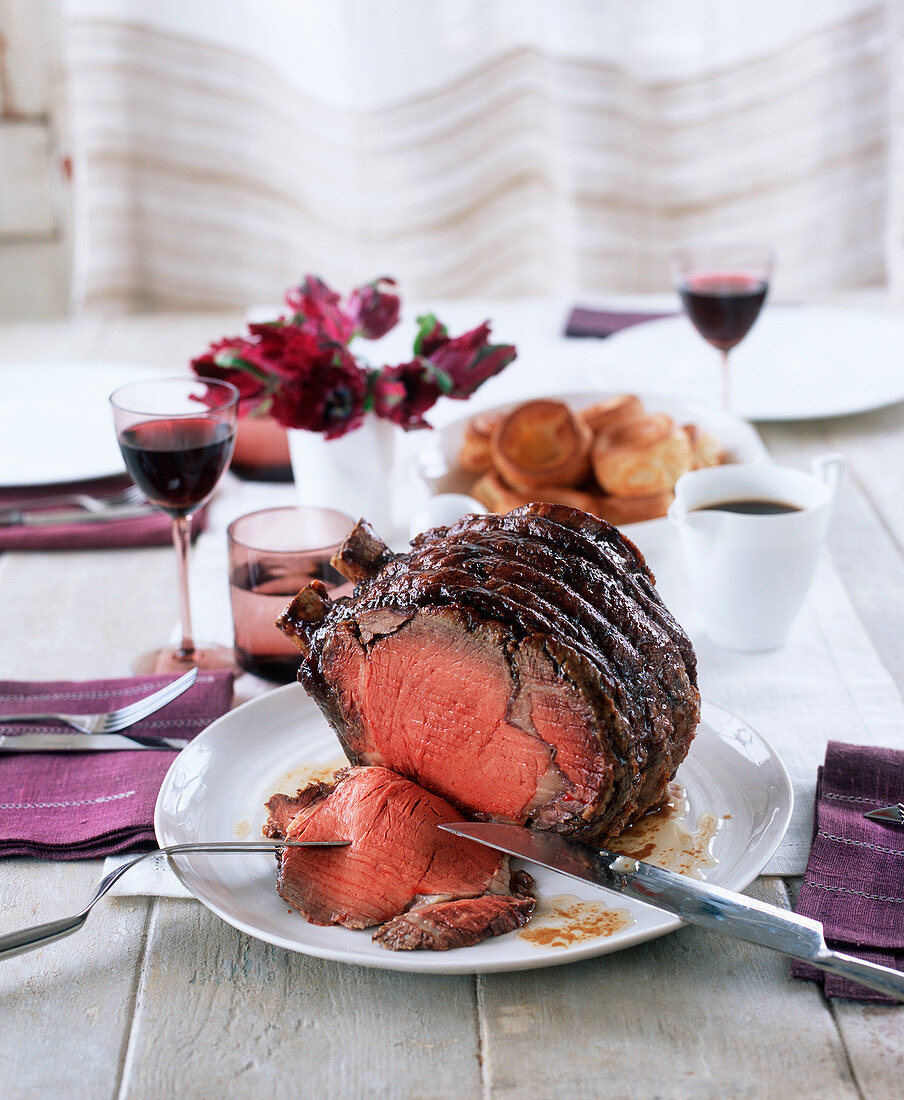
(693, 901)
(85, 742)
(58, 517)
(894, 814)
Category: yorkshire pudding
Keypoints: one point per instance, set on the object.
(541, 443)
(619, 510)
(492, 492)
(705, 450)
(642, 457)
(607, 414)
(475, 456)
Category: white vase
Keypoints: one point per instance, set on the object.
(354, 473)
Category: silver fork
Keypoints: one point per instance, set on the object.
(25, 939)
(115, 721)
(97, 506)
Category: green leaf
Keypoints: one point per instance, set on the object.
(441, 377)
(231, 360)
(426, 324)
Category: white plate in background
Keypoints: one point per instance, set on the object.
(56, 425)
(796, 363)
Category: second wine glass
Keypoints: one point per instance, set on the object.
(722, 288)
(177, 436)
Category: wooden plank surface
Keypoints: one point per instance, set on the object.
(692, 1014)
(866, 534)
(221, 1014)
(66, 1009)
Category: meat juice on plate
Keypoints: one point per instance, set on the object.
(302, 775)
(662, 837)
(305, 773)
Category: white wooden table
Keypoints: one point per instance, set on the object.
(156, 997)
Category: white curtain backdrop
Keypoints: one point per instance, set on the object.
(221, 148)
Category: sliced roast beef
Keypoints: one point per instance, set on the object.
(521, 666)
(453, 892)
(459, 923)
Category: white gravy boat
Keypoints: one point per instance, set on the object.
(750, 574)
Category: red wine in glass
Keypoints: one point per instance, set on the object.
(177, 463)
(722, 289)
(176, 436)
(722, 304)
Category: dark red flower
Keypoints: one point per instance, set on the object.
(404, 393)
(317, 309)
(237, 361)
(328, 395)
(375, 309)
(299, 370)
(467, 360)
(287, 349)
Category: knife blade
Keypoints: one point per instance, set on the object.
(85, 742)
(693, 901)
(59, 516)
(894, 814)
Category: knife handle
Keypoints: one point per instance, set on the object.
(872, 975)
(745, 918)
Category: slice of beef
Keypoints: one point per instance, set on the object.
(522, 666)
(459, 923)
(399, 862)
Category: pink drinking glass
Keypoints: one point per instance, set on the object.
(272, 555)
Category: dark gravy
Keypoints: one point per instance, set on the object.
(751, 507)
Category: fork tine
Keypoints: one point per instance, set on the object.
(131, 494)
(141, 708)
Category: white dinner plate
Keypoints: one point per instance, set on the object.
(216, 789)
(797, 362)
(55, 421)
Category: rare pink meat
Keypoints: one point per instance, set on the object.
(399, 862)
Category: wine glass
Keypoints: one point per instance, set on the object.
(177, 436)
(722, 288)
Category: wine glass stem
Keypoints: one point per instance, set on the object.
(725, 382)
(182, 543)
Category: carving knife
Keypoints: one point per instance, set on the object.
(693, 901)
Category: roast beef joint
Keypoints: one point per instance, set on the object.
(520, 667)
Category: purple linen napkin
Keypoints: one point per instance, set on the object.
(153, 529)
(604, 322)
(854, 882)
(76, 805)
